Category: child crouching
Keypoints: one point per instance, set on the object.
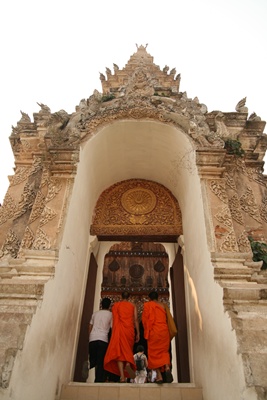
(141, 365)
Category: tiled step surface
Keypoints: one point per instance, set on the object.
(129, 391)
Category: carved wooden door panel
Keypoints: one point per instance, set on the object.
(138, 268)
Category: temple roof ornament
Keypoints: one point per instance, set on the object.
(140, 90)
(240, 107)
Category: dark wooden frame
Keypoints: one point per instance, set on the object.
(179, 311)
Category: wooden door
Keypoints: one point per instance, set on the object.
(82, 351)
(179, 311)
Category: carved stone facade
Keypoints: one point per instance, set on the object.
(37, 259)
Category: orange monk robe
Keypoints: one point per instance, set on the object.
(121, 344)
(156, 332)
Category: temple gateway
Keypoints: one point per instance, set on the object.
(140, 188)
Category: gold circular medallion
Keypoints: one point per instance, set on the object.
(138, 201)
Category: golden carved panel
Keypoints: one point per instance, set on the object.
(138, 201)
(137, 207)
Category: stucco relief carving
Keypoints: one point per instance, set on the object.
(219, 190)
(243, 243)
(11, 244)
(57, 134)
(47, 215)
(263, 209)
(253, 173)
(221, 129)
(8, 209)
(21, 174)
(133, 112)
(248, 204)
(38, 206)
(224, 217)
(25, 145)
(27, 199)
(36, 166)
(229, 243)
(45, 177)
(54, 187)
(140, 84)
(234, 206)
(240, 165)
(230, 182)
(42, 241)
(28, 239)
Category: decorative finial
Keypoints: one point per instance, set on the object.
(102, 76)
(24, 117)
(108, 71)
(240, 107)
(254, 117)
(115, 66)
(141, 46)
(166, 69)
(44, 107)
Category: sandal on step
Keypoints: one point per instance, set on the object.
(169, 377)
(159, 381)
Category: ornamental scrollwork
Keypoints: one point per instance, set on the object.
(224, 216)
(248, 204)
(11, 245)
(38, 207)
(263, 209)
(8, 210)
(229, 244)
(219, 190)
(47, 215)
(243, 243)
(42, 241)
(28, 238)
(235, 210)
(54, 187)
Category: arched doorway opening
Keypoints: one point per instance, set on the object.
(140, 215)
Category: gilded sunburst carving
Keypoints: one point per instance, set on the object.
(138, 201)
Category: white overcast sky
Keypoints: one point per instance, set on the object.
(52, 52)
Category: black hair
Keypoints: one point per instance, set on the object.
(125, 295)
(106, 303)
(140, 348)
(153, 295)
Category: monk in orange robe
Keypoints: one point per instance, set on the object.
(119, 358)
(156, 332)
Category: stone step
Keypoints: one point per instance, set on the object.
(130, 391)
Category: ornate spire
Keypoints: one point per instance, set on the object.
(140, 60)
